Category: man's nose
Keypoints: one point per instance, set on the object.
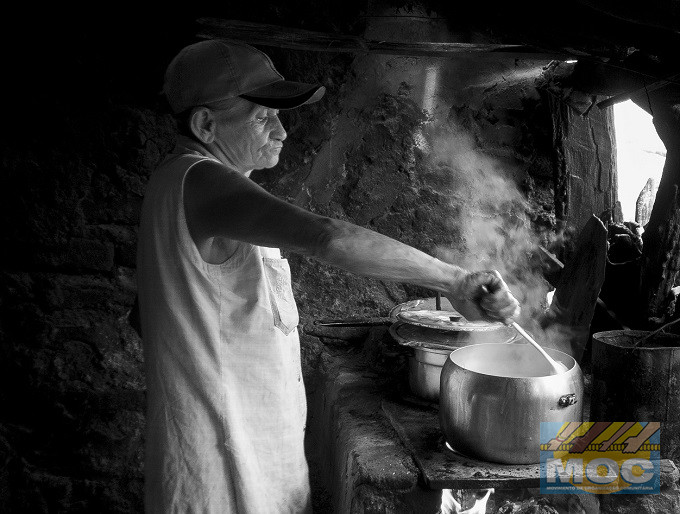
(278, 132)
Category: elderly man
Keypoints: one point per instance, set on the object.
(225, 399)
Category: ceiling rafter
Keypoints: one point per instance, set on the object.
(294, 38)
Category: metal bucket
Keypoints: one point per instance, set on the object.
(638, 384)
(493, 398)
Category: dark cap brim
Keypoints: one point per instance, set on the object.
(285, 94)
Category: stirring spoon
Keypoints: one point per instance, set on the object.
(557, 367)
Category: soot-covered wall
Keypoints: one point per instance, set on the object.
(452, 156)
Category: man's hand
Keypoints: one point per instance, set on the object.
(483, 295)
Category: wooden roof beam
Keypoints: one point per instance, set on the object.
(299, 39)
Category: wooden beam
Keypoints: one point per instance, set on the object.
(567, 322)
(661, 260)
(299, 39)
(553, 258)
(642, 16)
(626, 96)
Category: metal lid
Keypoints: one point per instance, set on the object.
(447, 320)
(415, 336)
(421, 304)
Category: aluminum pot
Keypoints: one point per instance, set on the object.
(493, 398)
(431, 348)
(424, 370)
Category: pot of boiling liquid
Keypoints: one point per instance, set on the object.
(493, 398)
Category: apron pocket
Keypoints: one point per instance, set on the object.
(285, 311)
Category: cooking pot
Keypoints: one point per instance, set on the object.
(493, 398)
(430, 350)
(638, 380)
(424, 371)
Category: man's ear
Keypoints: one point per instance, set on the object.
(202, 124)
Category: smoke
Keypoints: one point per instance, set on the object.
(493, 219)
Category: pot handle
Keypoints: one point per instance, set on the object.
(567, 400)
(516, 338)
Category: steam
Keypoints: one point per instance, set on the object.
(492, 218)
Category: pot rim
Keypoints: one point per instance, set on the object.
(605, 337)
(440, 351)
(574, 368)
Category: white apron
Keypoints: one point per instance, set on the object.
(225, 399)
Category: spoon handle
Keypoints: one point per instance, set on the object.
(526, 336)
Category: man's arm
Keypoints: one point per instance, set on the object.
(223, 203)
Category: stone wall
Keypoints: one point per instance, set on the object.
(83, 137)
(399, 145)
(72, 390)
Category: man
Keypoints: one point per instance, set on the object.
(226, 405)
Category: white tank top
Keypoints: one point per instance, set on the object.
(225, 399)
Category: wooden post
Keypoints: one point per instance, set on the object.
(567, 323)
(585, 164)
(661, 263)
(661, 239)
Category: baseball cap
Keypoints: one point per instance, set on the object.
(216, 69)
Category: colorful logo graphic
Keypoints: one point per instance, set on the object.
(600, 457)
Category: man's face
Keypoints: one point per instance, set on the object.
(250, 136)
